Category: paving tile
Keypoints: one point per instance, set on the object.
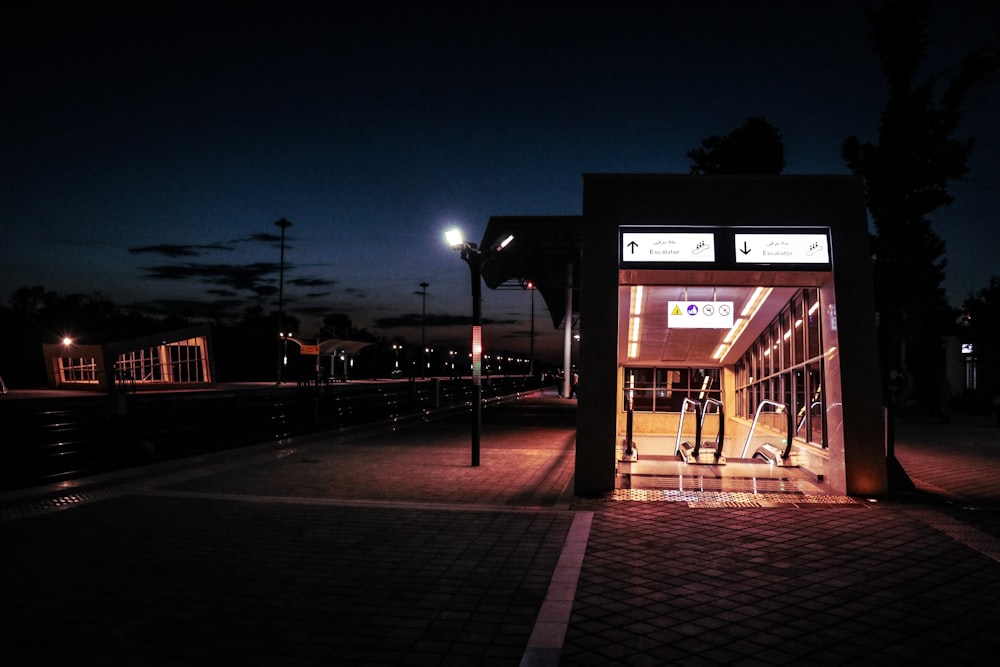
(392, 549)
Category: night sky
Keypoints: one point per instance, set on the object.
(149, 151)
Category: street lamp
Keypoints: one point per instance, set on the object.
(531, 359)
(423, 325)
(473, 256)
(282, 341)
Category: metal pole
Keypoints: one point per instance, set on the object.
(423, 330)
(531, 359)
(568, 336)
(282, 340)
(473, 258)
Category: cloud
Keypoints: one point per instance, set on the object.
(193, 309)
(177, 250)
(254, 277)
(311, 282)
(198, 249)
(264, 237)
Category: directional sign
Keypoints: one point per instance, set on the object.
(309, 349)
(668, 247)
(700, 314)
(782, 248)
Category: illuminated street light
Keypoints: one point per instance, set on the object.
(473, 256)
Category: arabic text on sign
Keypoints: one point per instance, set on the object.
(668, 247)
(781, 248)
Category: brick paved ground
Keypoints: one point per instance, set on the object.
(389, 548)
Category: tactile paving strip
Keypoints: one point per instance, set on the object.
(707, 499)
(35, 506)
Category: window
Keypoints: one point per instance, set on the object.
(78, 369)
(788, 355)
(181, 361)
(664, 389)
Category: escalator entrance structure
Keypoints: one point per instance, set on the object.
(740, 402)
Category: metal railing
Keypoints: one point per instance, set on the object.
(55, 439)
(768, 451)
(721, 434)
(685, 404)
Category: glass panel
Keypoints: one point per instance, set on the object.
(817, 407)
(671, 389)
(705, 383)
(78, 369)
(773, 341)
(786, 339)
(640, 381)
(813, 329)
(800, 407)
(798, 332)
(643, 400)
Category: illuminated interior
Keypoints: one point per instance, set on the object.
(767, 351)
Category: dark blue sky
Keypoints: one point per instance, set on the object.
(149, 151)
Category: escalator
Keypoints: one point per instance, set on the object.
(756, 448)
(702, 452)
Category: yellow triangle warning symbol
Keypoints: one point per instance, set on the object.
(676, 310)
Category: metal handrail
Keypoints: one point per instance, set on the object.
(720, 437)
(802, 421)
(780, 408)
(680, 423)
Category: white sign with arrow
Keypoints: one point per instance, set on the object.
(668, 247)
(782, 248)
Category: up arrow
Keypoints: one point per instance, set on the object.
(745, 250)
(633, 245)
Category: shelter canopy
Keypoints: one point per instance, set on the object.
(543, 249)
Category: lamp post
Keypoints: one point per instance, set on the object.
(282, 341)
(473, 256)
(531, 358)
(423, 327)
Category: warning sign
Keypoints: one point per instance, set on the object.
(700, 314)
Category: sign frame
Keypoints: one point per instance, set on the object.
(724, 245)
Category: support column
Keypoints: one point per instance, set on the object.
(568, 336)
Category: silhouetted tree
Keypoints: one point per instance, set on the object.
(906, 174)
(336, 325)
(246, 348)
(753, 148)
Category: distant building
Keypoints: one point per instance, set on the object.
(181, 358)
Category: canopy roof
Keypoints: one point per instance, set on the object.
(351, 347)
(543, 249)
